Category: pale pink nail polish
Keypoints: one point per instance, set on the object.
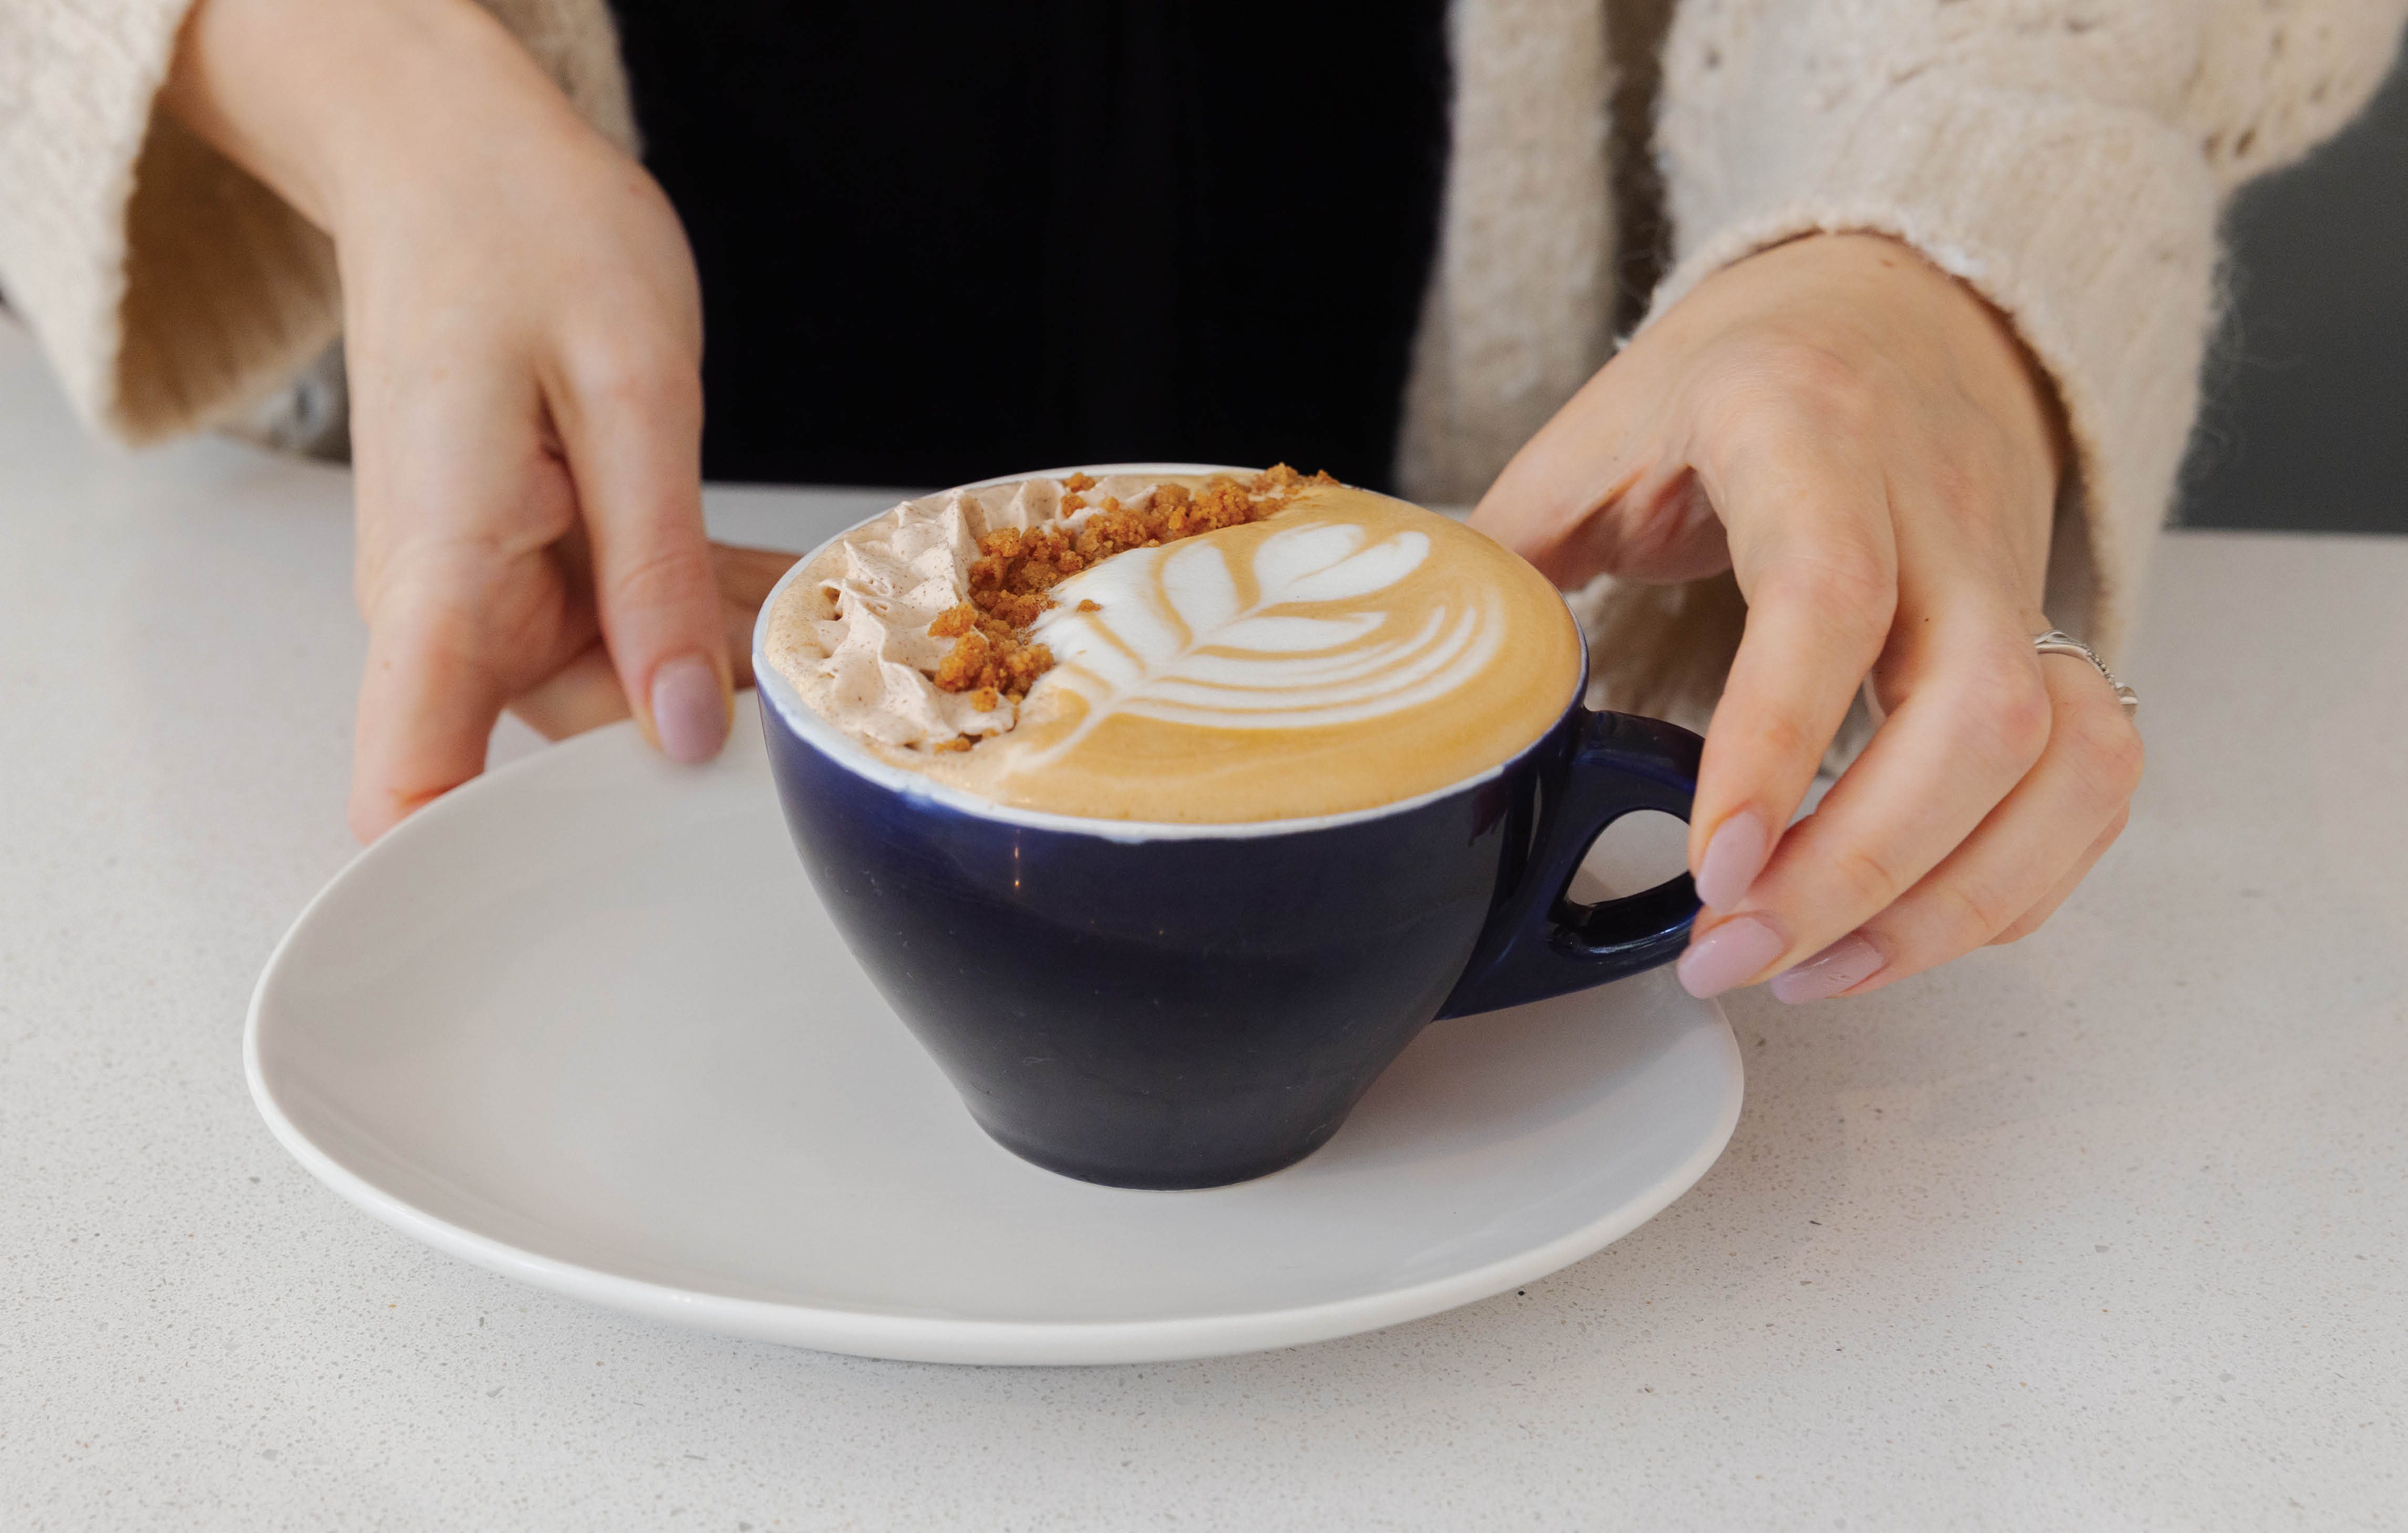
(1845, 964)
(689, 710)
(1735, 855)
(1727, 956)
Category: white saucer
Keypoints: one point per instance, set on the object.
(584, 1022)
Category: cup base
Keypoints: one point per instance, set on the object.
(1163, 1175)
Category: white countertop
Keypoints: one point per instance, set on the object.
(2106, 1229)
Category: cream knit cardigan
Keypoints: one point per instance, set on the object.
(2067, 158)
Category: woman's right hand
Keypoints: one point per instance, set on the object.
(523, 333)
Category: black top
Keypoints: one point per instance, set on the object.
(942, 242)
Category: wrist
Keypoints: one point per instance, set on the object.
(324, 100)
(1996, 367)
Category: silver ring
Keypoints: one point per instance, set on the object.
(2055, 642)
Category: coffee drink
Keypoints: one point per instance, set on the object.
(1315, 774)
(1177, 649)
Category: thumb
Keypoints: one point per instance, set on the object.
(1600, 491)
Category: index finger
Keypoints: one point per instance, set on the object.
(1811, 545)
(630, 418)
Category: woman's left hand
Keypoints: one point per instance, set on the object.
(1863, 442)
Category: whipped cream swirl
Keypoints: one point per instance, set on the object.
(851, 635)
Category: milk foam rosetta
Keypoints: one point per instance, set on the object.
(1346, 652)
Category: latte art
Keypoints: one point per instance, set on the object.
(1292, 638)
(1349, 651)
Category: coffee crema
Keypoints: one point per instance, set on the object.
(1347, 652)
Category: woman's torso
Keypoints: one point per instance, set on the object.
(939, 243)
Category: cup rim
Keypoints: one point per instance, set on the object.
(843, 750)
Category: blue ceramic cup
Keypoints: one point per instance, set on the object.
(1185, 1005)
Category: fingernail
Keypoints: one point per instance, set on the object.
(1728, 954)
(689, 710)
(1845, 964)
(1735, 855)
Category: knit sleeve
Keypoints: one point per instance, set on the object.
(168, 288)
(2064, 158)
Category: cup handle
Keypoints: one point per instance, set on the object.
(1536, 942)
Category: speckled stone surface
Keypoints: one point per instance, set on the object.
(2109, 1229)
